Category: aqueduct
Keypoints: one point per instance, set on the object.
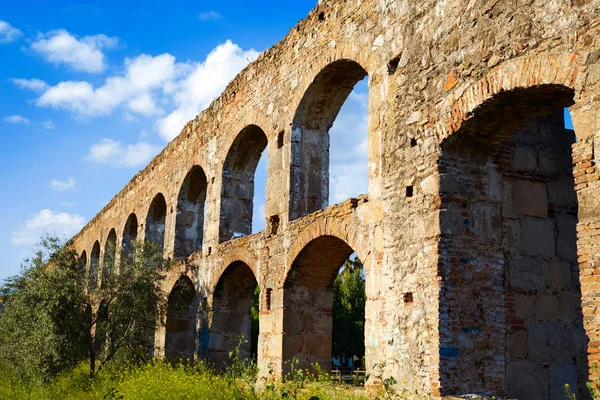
(480, 231)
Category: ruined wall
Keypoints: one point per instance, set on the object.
(438, 75)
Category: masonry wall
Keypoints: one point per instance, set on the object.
(432, 66)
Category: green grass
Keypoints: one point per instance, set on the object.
(159, 380)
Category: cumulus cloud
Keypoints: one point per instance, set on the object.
(151, 86)
(85, 54)
(46, 222)
(349, 148)
(210, 15)
(16, 119)
(8, 33)
(114, 153)
(48, 124)
(61, 186)
(143, 81)
(205, 82)
(36, 85)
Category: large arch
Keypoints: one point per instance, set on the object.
(231, 313)
(110, 253)
(130, 232)
(510, 299)
(237, 191)
(189, 226)
(315, 115)
(180, 341)
(155, 221)
(94, 267)
(83, 260)
(308, 301)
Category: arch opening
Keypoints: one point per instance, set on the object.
(309, 304)
(237, 192)
(231, 315)
(510, 297)
(155, 221)
(108, 262)
(180, 342)
(83, 260)
(189, 225)
(316, 113)
(94, 268)
(130, 232)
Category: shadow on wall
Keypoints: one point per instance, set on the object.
(511, 322)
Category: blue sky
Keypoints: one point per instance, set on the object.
(91, 91)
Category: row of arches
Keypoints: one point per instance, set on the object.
(309, 177)
(224, 319)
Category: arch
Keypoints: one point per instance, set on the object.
(101, 333)
(308, 301)
(83, 260)
(181, 317)
(155, 221)
(189, 226)
(231, 313)
(508, 231)
(94, 267)
(130, 232)
(237, 191)
(110, 252)
(320, 105)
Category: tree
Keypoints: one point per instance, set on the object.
(349, 310)
(47, 325)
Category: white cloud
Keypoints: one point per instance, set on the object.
(210, 15)
(152, 87)
(205, 82)
(36, 85)
(16, 119)
(145, 78)
(114, 153)
(60, 47)
(48, 124)
(46, 222)
(8, 33)
(60, 186)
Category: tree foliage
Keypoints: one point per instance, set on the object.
(349, 311)
(49, 321)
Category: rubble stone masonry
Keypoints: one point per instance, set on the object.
(480, 231)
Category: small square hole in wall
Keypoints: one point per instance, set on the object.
(268, 299)
(409, 191)
(413, 142)
(321, 16)
(408, 298)
(392, 65)
(274, 224)
(280, 136)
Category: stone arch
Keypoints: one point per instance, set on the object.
(108, 261)
(83, 260)
(316, 112)
(308, 301)
(180, 341)
(155, 221)
(237, 189)
(94, 267)
(130, 232)
(230, 314)
(546, 70)
(510, 300)
(189, 227)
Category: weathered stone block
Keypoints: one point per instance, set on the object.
(550, 342)
(524, 158)
(526, 380)
(517, 347)
(566, 246)
(527, 274)
(524, 306)
(537, 237)
(558, 275)
(529, 198)
(561, 374)
(546, 307)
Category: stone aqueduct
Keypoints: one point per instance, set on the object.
(480, 232)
